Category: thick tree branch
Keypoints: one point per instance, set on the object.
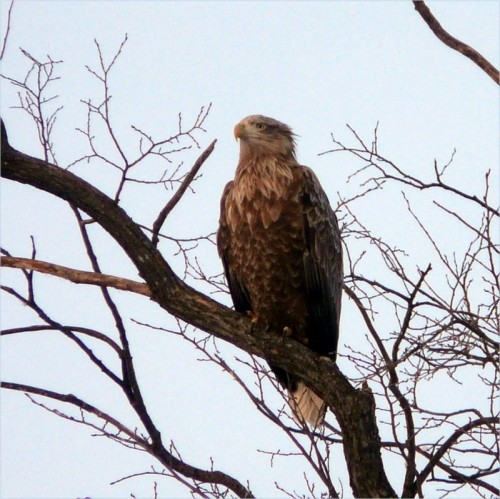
(454, 43)
(354, 409)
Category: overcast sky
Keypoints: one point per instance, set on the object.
(313, 65)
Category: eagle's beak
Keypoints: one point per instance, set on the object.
(239, 131)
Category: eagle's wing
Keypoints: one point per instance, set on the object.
(239, 293)
(322, 265)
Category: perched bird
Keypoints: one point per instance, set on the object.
(280, 245)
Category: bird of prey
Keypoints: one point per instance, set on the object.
(280, 245)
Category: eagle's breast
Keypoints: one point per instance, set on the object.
(261, 191)
(264, 216)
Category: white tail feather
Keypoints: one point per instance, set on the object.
(307, 406)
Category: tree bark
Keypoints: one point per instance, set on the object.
(354, 408)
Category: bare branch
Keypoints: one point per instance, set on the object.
(387, 170)
(180, 192)
(7, 30)
(77, 276)
(33, 99)
(77, 329)
(80, 404)
(463, 430)
(454, 43)
(153, 447)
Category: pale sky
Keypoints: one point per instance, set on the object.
(313, 65)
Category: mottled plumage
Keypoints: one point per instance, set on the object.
(280, 245)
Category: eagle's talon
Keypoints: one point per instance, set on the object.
(253, 317)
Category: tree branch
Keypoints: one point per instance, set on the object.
(7, 30)
(77, 402)
(454, 43)
(463, 430)
(180, 191)
(76, 276)
(165, 457)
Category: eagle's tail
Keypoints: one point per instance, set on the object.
(307, 406)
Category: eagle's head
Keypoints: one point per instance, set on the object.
(263, 136)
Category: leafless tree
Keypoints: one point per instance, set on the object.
(440, 317)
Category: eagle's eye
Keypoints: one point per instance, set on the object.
(260, 126)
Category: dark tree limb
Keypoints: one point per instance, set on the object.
(454, 43)
(80, 404)
(354, 409)
(448, 443)
(162, 216)
(92, 333)
(68, 332)
(460, 477)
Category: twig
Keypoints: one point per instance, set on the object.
(7, 30)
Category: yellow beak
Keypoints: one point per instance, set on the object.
(239, 131)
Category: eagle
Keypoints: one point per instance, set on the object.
(280, 245)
